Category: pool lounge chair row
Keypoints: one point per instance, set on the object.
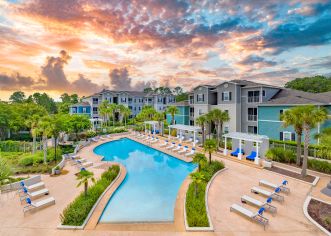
(179, 148)
(250, 157)
(262, 205)
(34, 191)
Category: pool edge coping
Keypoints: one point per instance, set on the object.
(211, 226)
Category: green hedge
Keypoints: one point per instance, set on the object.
(15, 146)
(195, 205)
(76, 212)
(281, 155)
(321, 166)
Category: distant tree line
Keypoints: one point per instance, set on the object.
(177, 91)
(316, 84)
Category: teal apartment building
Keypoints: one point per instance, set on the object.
(82, 108)
(269, 113)
(182, 117)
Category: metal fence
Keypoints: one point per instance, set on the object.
(18, 146)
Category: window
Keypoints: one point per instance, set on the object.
(191, 100)
(109, 100)
(252, 129)
(130, 99)
(130, 107)
(226, 129)
(84, 109)
(95, 100)
(253, 96)
(200, 97)
(263, 93)
(149, 100)
(135, 100)
(200, 112)
(252, 114)
(74, 110)
(287, 136)
(95, 110)
(226, 96)
(139, 108)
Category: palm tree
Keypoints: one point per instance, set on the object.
(33, 123)
(84, 176)
(159, 117)
(173, 110)
(126, 112)
(292, 117)
(112, 109)
(103, 110)
(310, 116)
(219, 117)
(209, 121)
(199, 158)
(210, 146)
(197, 178)
(44, 128)
(201, 121)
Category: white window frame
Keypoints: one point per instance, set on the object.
(287, 133)
(226, 96)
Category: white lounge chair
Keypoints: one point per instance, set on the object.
(146, 138)
(282, 186)
(86, 164)
(108, 136)
(103, 138)
(177, 148)
(247, 199)
(171, 146)
(155, 140)
(191, 153)
(34, 194)
(164, 144)
(189, 140)
(183, 150)
(257, 217)
(36, 186)
(274, 195)
(78, 161)
(38, 204)
(95, 139)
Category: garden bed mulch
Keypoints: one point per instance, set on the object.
(308, 178)
(321, 213)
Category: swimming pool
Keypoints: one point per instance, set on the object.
(149, 191)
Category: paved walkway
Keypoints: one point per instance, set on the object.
(225, 190)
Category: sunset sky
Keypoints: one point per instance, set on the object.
(82, 46)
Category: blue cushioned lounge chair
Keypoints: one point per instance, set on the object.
(252, 156)
(237, 151)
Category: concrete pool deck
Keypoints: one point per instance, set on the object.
(226, 189)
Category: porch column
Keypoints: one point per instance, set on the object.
(180, 136)
(154, 129)
(239, 154)
(257, 159)
(225, 151)
(145, 127)
(194, 138)
(169, 134)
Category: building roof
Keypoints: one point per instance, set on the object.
(185, 127)
(80, 104)
(246, 137)
(182, 103)
(132, 93)
(291, 96)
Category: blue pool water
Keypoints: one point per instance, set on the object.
(150, 188)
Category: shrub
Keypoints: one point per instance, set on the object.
(321, 166)
(91, 134)
(195, 205)
(76, 212)
(281, 155)
(65, 149)
(26, 160)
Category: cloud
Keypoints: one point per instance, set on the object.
(85, 86)
(15, 81)
(120, 80)
(257, 60)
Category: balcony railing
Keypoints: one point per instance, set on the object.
(254, 99)
(252, 117)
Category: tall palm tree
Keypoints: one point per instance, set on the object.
(44, 128)
(173, 110)
(219, 117)
(210, 146)
(32, 122)
(293, 117)
(311, 116)
(199, 158)
(112, 109)
(159, 117)
(84, 176)
(201, 121)
(197, 178)
(103, 110)
(126, 112)
(120, 109)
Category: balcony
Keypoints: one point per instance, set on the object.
(253, 99)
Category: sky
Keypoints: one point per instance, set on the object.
(79, 46)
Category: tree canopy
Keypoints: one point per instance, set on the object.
(316, 84)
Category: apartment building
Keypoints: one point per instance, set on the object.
(240, 98)
(134, 100)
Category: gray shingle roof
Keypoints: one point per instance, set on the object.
(291, 96)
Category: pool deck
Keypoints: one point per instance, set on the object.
(226, 189)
